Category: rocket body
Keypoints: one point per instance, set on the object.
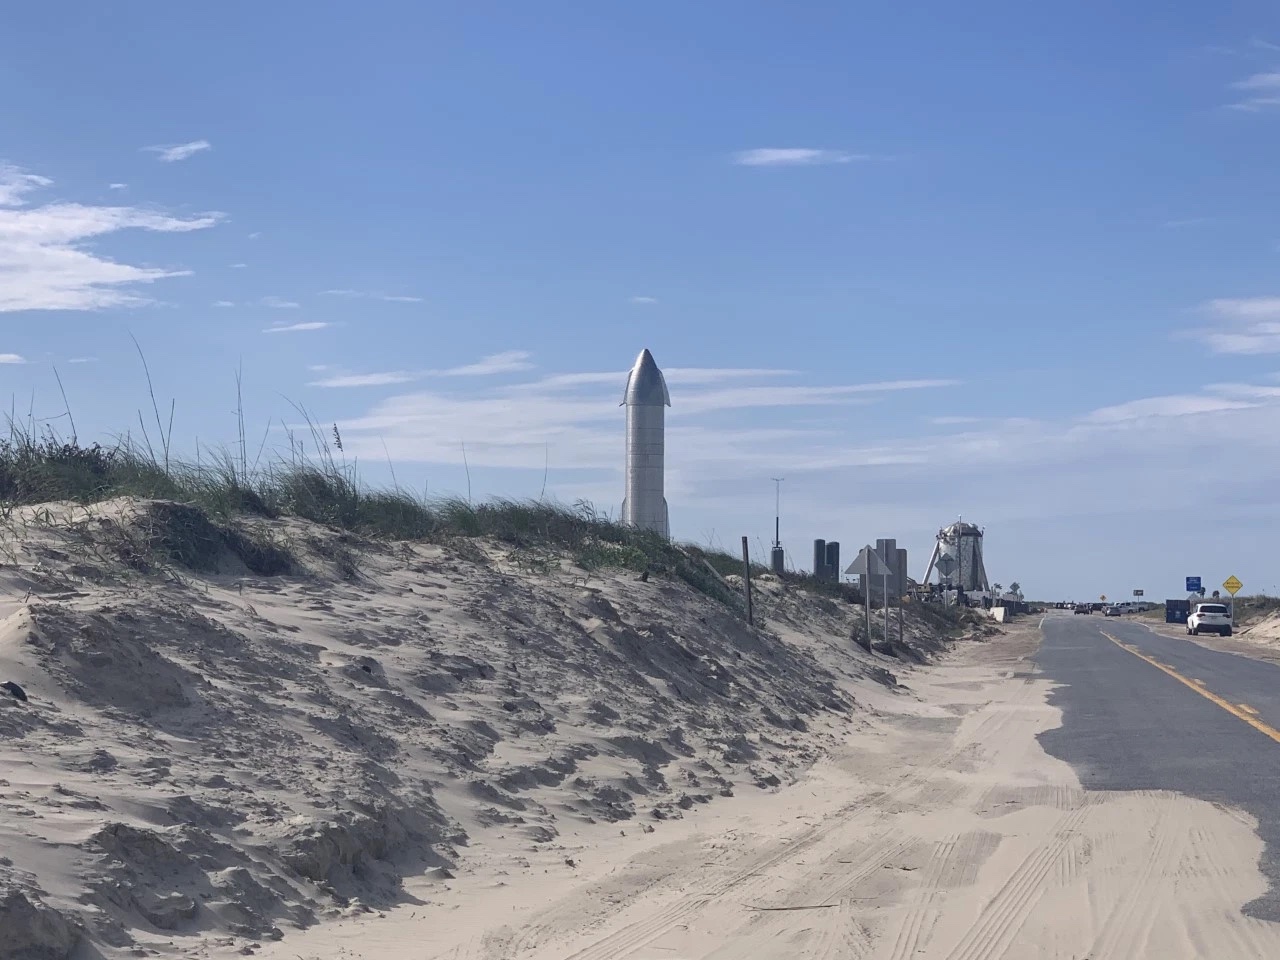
(644, 504)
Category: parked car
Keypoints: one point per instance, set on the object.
(1209, 618)
(1111, 611)
(1083, 608)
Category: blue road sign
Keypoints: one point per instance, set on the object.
(1193, 584)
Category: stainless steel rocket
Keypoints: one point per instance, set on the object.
(646, 400)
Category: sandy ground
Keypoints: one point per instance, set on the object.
(284, 743)
(944, 832)
(235, 733)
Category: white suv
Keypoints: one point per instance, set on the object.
(1210, 618)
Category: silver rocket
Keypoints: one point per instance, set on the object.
(646, 400)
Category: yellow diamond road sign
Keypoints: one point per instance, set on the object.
(1232, 585)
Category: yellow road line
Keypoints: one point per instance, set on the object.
(1248, 715)
(1247, 709)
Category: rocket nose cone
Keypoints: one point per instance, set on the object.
(645, 383)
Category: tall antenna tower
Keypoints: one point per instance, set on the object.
(777, 557)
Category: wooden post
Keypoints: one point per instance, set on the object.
(746, 578)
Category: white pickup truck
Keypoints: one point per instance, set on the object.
(1209, 618)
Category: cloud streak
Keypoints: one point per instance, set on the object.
(1260, 92)
(794, 157)
(46, 259)
(364, 380)
(1246, 325)
(172, 153)
(512, 361)
(366, 295)
(577, 414)
(304, 327)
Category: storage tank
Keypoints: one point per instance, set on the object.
(819, 559)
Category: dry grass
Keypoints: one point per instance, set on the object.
(322, 489)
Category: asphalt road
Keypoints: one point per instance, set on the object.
(1196, 721)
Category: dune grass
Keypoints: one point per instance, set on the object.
(323, 489)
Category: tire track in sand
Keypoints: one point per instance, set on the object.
(633, 936)
(1126, 929)
(637, 934)
(1005, 913)
(923, 913)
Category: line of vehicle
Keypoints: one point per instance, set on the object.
(1240, 712)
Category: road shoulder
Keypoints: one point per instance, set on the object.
(1239, 643)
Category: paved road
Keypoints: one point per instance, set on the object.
(1133, 724)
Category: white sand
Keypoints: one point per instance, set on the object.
(225, 758)
(468, 752)
(922, 837)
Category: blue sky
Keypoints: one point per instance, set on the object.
(1014, 263)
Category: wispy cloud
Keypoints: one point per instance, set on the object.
(279, 303)
(117, 186)
(1260, 92)
(577, 413)
(698, 375)
(1135, 464)
(83, 360)
(12, 358)
(223, 303)
(1245, 325)
(1249, 391)
(174, 152)
(366, 295)
(512, 361)
(644, 300)
(365, 379)
(299, 327)
(45, 257)
(255, 235)
(794, 157)
(947, 421)
(1177, 405)
(1186, 222)
(238, 266)
(748, 397)
(15, 184)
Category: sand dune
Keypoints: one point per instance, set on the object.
(234, 733)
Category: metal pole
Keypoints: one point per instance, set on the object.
(777, 511)
(866, 605)
(885, 578)
(746, 578)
